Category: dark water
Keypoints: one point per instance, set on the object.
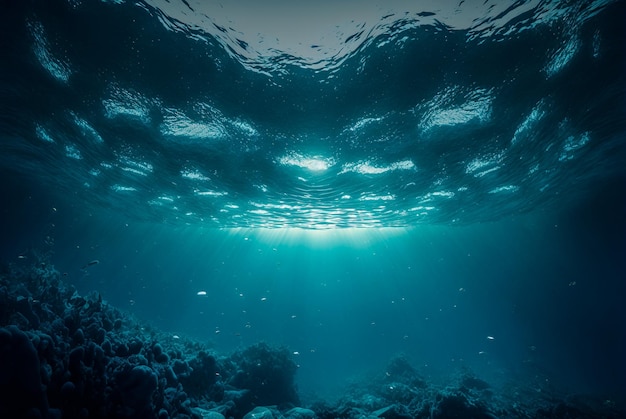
(190, 155)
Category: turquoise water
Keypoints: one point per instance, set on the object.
(442, 181)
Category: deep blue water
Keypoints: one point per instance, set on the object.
(444, 181)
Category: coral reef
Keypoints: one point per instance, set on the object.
(63, 355)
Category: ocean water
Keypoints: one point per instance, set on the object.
(355, 181)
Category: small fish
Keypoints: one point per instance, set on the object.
(93, 262)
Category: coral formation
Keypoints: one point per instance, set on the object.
(65, 355)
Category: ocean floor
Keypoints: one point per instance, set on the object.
(63, 355)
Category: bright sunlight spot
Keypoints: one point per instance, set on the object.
(314, 164)
(352, 237)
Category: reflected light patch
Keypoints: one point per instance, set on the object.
(314, 164)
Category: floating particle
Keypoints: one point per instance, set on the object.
(490, 338)
(202, 293)
(92, 263)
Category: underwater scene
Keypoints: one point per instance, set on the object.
(325, 209)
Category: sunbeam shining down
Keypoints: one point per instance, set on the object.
(312, 209)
